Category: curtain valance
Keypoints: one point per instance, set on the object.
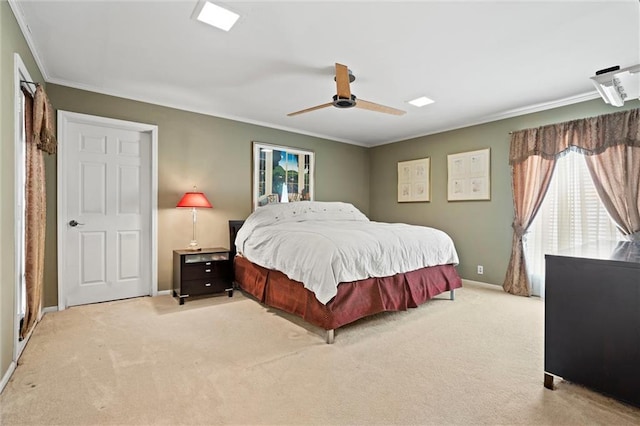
(591, 136)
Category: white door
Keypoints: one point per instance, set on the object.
(107, 226)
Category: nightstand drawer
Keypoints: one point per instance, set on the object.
(206, 257)
(207, 271)
(203, 286)
(202, 270)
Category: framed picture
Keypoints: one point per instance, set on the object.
(281, 174)
(414, 181)
(469, 176)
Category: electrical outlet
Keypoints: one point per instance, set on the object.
(480, 269)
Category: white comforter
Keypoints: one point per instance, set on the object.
(324, 244)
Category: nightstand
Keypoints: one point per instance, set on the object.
(206, 271)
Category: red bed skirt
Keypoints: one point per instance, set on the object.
(354, 300)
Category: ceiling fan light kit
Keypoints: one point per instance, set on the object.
(345, 99)
(343, 102)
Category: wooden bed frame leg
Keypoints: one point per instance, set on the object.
(330, 337)
(452, 294)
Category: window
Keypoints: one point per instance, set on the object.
(571, 215)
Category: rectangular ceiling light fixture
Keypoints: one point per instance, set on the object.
(217, 16)
(421, 101)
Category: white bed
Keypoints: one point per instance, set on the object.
(322, 244)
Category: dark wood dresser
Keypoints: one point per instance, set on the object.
(592, 318)
(206, 271)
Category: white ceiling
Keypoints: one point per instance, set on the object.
(478, 60)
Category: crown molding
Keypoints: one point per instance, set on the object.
(530, 109)
(26, 32)
(184, 107)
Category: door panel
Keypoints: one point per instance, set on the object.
(129, 190)
(108, 192)
(128, 255)
(93, 182)
(92, 266)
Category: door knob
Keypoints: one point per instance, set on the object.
(74, 223)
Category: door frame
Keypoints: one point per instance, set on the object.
(64, 118)
(20, 72)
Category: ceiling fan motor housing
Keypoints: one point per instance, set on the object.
(344, 102)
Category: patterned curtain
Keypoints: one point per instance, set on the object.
(40, 136)
(616, 176)
(610, 142)
(531, 179)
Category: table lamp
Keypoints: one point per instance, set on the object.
(194, 200)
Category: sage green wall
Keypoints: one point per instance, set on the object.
(481, 230)
(11, 41)
(214, 154)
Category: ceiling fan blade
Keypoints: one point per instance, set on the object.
(310, 109)
(342, 81)
(361, 103)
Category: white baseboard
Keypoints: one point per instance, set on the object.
(7, 375)
(49, 309)
(164, 293)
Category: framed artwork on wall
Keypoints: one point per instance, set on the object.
(469, 176)
(281, 174)
(414, 180)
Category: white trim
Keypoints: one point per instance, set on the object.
(530, 109)
(163, 293)
(49, 309)
(506, 114)
(482, 120)
(503, 115)
(26, 32)
(63, 119)
(20, 72)
(204, 111)
(7, 375)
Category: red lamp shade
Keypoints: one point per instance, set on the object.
(194, 199)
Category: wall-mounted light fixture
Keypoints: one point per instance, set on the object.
(616, 84)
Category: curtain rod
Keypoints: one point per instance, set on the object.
(30, 82)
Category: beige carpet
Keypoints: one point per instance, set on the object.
(220, 360)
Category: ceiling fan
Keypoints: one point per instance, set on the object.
(345, 99)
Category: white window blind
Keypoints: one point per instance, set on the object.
(571, 215)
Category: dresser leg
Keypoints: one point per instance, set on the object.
(181, 301)
(548, 381)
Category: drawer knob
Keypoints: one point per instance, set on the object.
(207, 270)
(208, 263)
(207, 285)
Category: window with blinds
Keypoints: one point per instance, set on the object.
(571, 215)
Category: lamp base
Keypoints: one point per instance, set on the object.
(193, 246)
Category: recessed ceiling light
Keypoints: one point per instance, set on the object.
(217, 16)
(421, 101)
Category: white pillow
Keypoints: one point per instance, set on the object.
(297, 212)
